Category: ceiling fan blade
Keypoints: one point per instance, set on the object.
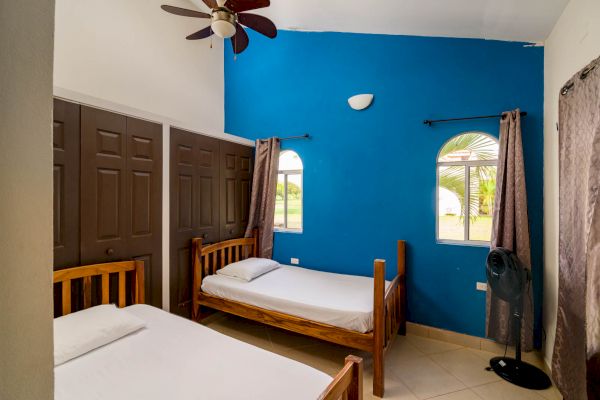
(211, 3)
(259, 23)
(201, 34)
(240, 40)
(184, 12)
(246, 5)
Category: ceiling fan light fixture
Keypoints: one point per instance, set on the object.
(223, 24)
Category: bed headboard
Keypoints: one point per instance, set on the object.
(207, 260)
(86, 274)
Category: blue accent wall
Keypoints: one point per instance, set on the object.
(370, 176)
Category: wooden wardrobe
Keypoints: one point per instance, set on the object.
(107, 191)
(209, 198)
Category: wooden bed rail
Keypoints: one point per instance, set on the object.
(65, 276)
(347, 384)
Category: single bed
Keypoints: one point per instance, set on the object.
(345, 301)
(358, 312)
(174, 358)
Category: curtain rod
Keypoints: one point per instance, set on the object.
(305, 136)
(433, 121)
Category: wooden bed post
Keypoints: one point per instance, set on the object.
(378, 327)
(402, 285)
(138, 288)
(256, 242)
(197, 276)
(355, 390)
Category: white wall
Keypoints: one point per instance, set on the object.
(134, 54)
(573, 43)
(131, 57)
(26, 36)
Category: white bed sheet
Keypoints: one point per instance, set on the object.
(345, 301)
(173, 358)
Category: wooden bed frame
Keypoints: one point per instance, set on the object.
(346, 385)
(389, 306)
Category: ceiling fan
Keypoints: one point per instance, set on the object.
(227, 18)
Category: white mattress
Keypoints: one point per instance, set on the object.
(345, 301)
(173, 358)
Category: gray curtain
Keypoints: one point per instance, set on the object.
(578, 325)
(510, 229)
(264, 187)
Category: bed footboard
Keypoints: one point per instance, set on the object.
(347, 384)
(389, 315)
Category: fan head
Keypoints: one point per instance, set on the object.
(506, 275)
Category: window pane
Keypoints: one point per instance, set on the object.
(451, 193)
(294, 193)
(289, 161)
(469, 147)
(483, 192)
(279, 202)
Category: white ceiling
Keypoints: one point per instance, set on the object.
(516, 20)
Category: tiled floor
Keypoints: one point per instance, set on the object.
(416, 367)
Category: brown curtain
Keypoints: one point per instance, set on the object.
(578, 326)
(510, 229)
(264, 187)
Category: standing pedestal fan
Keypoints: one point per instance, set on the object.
(508, 280)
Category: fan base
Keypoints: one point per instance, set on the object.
(520, 373)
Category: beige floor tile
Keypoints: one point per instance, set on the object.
(467, 366)
(255, 335)
(394, 388)
(402, 349)
(455, 338)
(466, 394)
(426, 379)
(416, 329)
(431, 346)
(551, 394)
(290, 340)
(324, 357)
(505, 391)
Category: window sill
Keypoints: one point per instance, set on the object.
(469, 243)
(284, 230)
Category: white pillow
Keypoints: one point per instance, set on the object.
(249, 268)
(78, 333)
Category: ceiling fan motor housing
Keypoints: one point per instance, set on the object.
(223, 22)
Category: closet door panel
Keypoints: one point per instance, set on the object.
(104, 211)
(66, 183)
(236, 177)
(194, 207)
(206, 223)
(144, 202)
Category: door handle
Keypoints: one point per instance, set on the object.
(110, 252)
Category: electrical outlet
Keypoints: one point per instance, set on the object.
(295, 261)
(482, 286)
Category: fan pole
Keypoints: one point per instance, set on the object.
(515, 370)
(518, 319)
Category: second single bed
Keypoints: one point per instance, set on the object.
(359, 312)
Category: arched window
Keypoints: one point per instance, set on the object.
(288, 201)
(466, 188)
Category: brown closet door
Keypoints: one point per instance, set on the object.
(235, 188)
(66, 184)
(144, 202)
(104, 213)
(121, 193)
(194, 207)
